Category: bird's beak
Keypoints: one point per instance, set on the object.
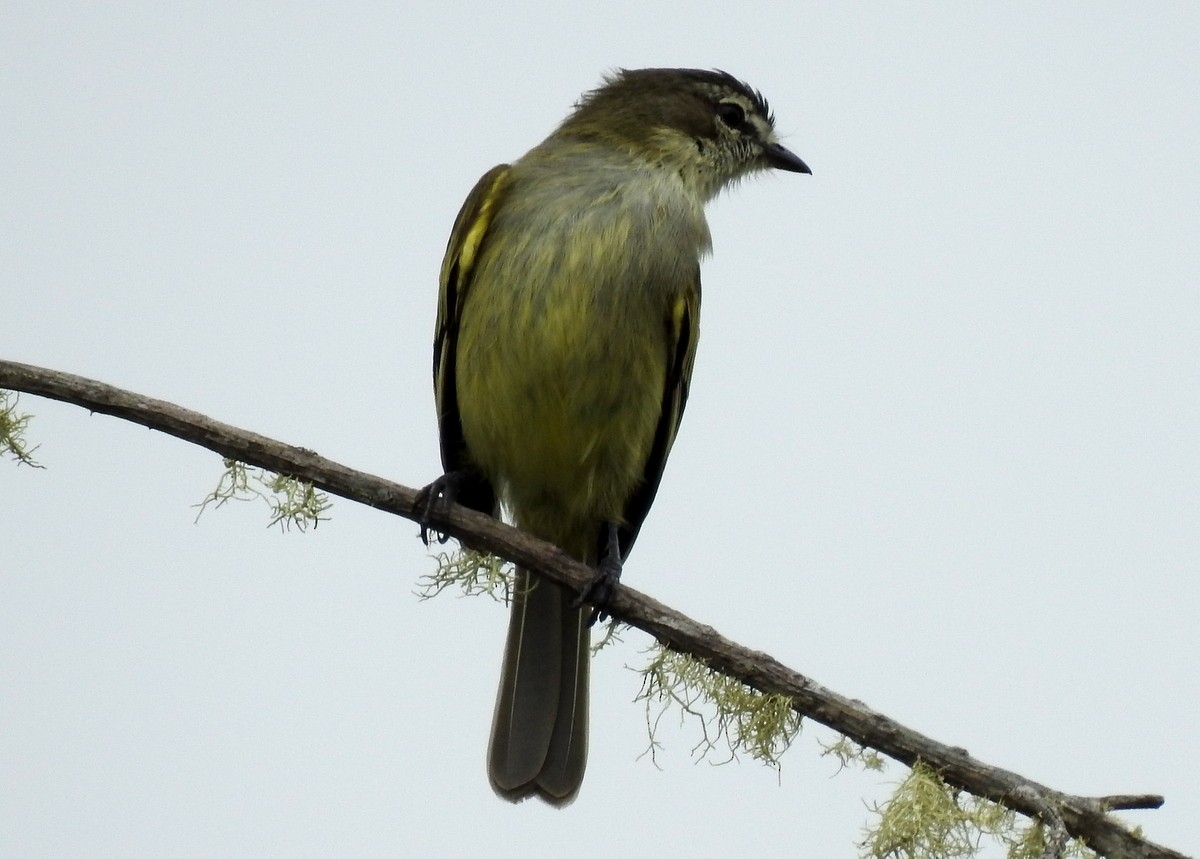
(780, 157)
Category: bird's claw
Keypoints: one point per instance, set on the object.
(436, 497)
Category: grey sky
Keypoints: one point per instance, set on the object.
(941, 451)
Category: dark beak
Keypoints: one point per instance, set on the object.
(781, 158)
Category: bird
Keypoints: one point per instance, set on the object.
(567, 325)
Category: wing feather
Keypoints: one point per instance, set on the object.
(682, 333)
(466, 240)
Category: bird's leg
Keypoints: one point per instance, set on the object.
(599, 591)
(438, 496)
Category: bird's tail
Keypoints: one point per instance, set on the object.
(540, 728)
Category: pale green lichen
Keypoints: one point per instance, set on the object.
(728, 713)
(293, 502)
(12, 430)
(846, 752)
(611, 636)
(471, 571)
(927, 819)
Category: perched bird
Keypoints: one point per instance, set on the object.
(566, 330)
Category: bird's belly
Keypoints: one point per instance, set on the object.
(561, 413)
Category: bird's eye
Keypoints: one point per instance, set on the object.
(732, 115)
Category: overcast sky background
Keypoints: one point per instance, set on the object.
(941, 452)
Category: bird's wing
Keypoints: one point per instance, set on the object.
(462, 251)
(682, 332)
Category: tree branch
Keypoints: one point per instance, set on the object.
(1082, 817)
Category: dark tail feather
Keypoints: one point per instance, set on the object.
(540, 729)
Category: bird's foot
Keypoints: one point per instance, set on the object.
(600, 590)
(437, 498)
